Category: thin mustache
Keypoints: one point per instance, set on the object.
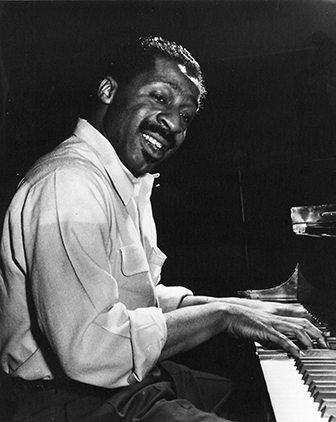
(160, 130)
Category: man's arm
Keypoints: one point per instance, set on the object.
(199, 318)
(276, 308)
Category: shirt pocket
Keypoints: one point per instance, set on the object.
(156, 260)
(133, 260)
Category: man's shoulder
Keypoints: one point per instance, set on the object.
(72, 155)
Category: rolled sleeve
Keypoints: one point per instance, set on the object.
(170, 297)
(149, 334)
(119, 348)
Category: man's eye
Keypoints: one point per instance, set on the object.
(185, 117)
(159, 98)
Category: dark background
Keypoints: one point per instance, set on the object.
(265, 140)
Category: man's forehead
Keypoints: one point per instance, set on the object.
(177, 76)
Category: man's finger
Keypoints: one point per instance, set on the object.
(286, 344)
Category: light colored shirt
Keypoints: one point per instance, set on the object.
(80, 269)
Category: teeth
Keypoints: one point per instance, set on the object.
(152, 141)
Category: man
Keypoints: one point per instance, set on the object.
(86, 328)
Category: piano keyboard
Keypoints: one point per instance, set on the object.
(302, 390)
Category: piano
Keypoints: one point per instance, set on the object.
(304, 390)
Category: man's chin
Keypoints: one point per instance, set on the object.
(150, 163)
(141, 171)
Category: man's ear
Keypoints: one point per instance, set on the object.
(107, 90)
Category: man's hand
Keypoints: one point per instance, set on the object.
(271, 324)
(273, 330)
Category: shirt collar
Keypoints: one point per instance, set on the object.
(123, 180)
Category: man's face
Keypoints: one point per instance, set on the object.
(148, 118)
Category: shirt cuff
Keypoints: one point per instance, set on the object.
(170, 297)
(148, 336)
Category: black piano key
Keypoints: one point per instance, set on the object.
(321, 386)
(310, 376)
(329, 410)
(327, 402)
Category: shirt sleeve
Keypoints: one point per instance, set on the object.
(66, 230)
(170, 297)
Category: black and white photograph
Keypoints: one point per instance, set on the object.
(168, 211)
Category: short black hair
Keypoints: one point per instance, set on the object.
(140, 56)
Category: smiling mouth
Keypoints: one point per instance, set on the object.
(154, 143)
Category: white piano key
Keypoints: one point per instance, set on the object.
(289, 396)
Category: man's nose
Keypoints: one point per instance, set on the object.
(171, 120)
